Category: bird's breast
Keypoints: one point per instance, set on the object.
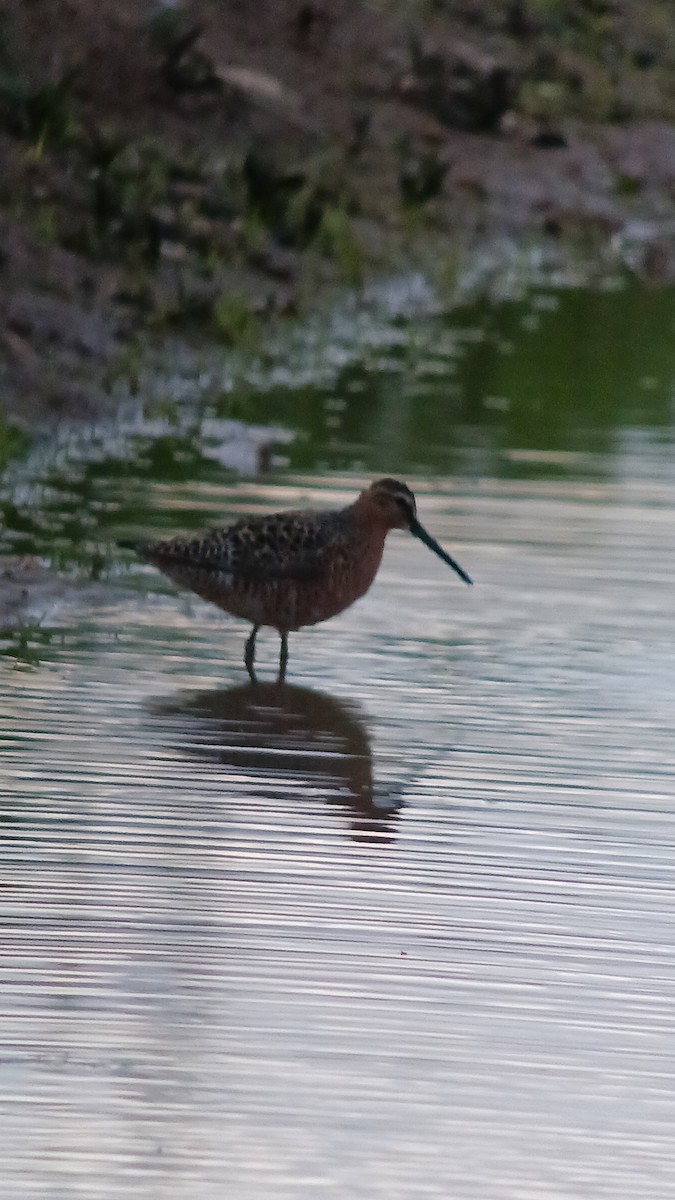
(346, 577)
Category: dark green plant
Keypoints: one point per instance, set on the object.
(44, 116)
(290, 204)
(128, 182)
(420, 176)
(26, 643)
(13, 442)
(234, 321)
(335, 239)
(184, 67)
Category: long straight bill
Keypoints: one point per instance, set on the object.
(420, 532)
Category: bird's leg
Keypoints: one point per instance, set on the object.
(249, 654)
(283, 657)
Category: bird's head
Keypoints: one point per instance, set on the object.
(392, 504)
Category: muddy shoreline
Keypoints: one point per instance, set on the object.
(174, 177)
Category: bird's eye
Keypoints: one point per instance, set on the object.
(406, 507)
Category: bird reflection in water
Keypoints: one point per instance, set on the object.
(282, 733)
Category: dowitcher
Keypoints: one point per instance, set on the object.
(291, 569)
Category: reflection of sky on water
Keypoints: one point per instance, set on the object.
(224, 957)
(208, 970)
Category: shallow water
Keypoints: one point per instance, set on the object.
(406, 926)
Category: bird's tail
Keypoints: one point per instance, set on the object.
(136, 544)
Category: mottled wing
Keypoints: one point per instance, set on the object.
(284, 545)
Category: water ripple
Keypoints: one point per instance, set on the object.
(403, 928)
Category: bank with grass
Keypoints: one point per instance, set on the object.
(195, 173)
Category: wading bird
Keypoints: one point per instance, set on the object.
(291, 569)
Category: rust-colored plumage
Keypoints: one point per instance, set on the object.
(292, 569)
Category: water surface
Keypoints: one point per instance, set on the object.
(404, 927)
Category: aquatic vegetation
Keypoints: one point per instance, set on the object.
(28, 643)
(234, 321)
(13, 441)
